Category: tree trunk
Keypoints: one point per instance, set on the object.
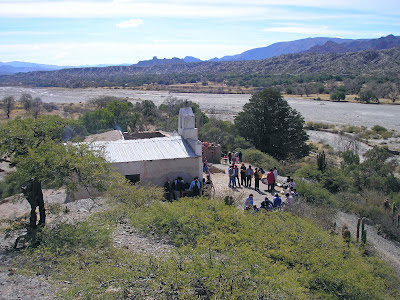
(34, 195)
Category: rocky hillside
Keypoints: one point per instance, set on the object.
(382, 43)
(376, 63)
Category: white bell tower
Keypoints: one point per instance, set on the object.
(187, 129)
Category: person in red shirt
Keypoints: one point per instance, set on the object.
(270, 180)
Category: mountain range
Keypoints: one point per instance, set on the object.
(371, 63)
(308, 45)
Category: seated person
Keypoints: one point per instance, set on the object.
(195, 187)
(277, 201)
(286, 182)
(266, 204)
(248, 202)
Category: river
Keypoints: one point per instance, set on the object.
(226, 106)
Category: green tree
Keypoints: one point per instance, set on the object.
(117, 115)
(272, 126)
(377, 172)
(368, 96)
(34, 147)
(338, 95)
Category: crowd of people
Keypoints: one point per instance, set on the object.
(248, 173)
(268, 205)
(239, 177)
(177, 188)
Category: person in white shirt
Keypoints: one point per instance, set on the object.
(248, 203)
(275, 175)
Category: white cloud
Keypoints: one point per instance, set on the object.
(130, 23)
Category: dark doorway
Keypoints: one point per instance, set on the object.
(133, 178)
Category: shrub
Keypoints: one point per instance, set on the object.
(259, 159)
(378, 128)
(313, 193)
(9, 186)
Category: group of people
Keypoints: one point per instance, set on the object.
(175, 189)
(266, 205)
(235, 157)
(248, 173)
(289, 191)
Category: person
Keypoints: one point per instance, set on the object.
(178, 186)
(248, 203)
(292, 184)
(289, 199)
(195, 187)
(257, 178)
(243, 175)
(286, 182)
(232, 177)
(169, 191)
(240, 156)
(275, 176)
(237, 175)
(255, 209)
(266, 204)
(230, 157)
(270, 180)
(277, 201)
(262, 171)
(295, 195)
(249, 175)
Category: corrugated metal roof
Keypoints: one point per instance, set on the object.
(146, 149)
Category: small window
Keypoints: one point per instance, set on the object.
(133, 178)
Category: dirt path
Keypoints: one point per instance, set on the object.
(387, 250)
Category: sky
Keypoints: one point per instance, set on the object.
(88, 32)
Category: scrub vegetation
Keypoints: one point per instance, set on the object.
(220, 252)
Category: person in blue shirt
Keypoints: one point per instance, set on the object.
(277, 201)
(195, 187)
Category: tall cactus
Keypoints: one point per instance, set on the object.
(364, 237)
(358, 229)
(321, 161)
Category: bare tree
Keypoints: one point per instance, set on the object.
(8, 105)
(36, 107)
(26, 101)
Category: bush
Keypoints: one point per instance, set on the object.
(379, 129)
(259, 159)
(336, 180)
(9, 186)
(309, 171)
(223, 253)
(313, 193)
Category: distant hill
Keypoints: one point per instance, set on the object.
(156, 61)
(278, 49)
(13, 67)
(369, 62)
(382, 43)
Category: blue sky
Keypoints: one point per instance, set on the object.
(126, 31)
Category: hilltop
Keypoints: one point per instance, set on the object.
(375, 63)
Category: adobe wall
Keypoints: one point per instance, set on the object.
(156, 172)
